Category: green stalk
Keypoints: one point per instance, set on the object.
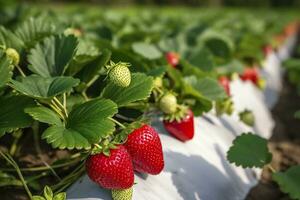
(62, 107)
(11, 161)
(117, 122)
(85, 96)
(20, 70)
(68, 180)
(271, 168)
(35, 130)
(44, 168)
(14, 145)
(57, 110)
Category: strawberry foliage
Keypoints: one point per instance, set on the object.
(82, 82)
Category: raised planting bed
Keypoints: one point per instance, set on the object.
(140, 104)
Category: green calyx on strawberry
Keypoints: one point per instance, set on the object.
(247, 117)
(13, 55)
(168, 103)
(145, 148)
(158, 82)
(111, 172)
(122, 194)
(180, 112)
(104, 147)
(119, 74)
(261, 83)
(224, 107)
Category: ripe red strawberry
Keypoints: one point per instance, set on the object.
(111, 172)
(182, 130)
(267, 50)
(144, 146)
(224, 81)
(172, 59)
(250, 74)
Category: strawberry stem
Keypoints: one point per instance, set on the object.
(271, 168)
(20, 70)
(117, 122)
(11, 161)
(57, 110)
(62, 107)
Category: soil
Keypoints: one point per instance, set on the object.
(284, 144)
(27, 156)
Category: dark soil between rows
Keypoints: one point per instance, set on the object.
(284, 144)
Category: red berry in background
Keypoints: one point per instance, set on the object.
(225, 82)
(172, 59)
(291, 29)
(111, 172)
(182, 130)
(145, 148)
(250, 74)
(267, 50)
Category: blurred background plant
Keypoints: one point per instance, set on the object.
(233, 3)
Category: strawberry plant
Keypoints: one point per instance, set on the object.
(86, 85)
(249, 150)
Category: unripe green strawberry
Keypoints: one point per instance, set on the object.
(120, 75)
(168, 103)
(13, 55)
(225, 106)
(247, 117)
(125, 194)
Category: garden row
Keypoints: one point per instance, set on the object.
(79, 89)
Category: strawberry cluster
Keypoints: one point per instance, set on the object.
(142, 152)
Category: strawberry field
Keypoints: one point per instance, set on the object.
(149, 103)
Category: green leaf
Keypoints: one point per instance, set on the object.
(219, 44)
(93, 69)
(51, 57)
(85, 54)
(60, 196)
(249, 150)
(202, 58)
(146, 50)
(139, 89)
(176, 76)
(297, 114)
(12, 115)
(9, 39)
(5, 69)
(204, 88)
(157, 72)
(38, 198)
(86, 125)
(289, 181)
(292, 64)
(137, 63)
(38, 87)
(235, 66)
(8, 180)
(44, 114)
(33, 30)
(48, 193)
